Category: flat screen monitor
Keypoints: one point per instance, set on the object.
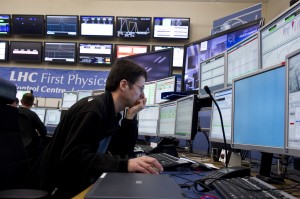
(63, 25)
(178, 52)
(20, 94)
(148, 121)
(280, 37)
(186, 118)
(41, 112)
(124, 50)
(158, 64)
(242, 58)
(258, 117)
(133, 27)
(167, 119)
(28, 25)
(94, 53)
(164, 85)
(208, 47)
(4, 24)
(171, 27)
(98, 92)
(3, 50)
(100, 26)
(83, 94)
(25, 51)
(69, 98)
(212, 74)
(52, 117)
(293, 103)
(223, 98)
(60, 52)
(149, 92)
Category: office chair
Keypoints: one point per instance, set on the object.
(14, 165)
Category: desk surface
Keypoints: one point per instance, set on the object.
(188, 177)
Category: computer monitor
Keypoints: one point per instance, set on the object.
(52, 117)
(28, 25)
(149, 92)
(280, 37)
(293, 103)
(164, 85)
(95, 53)
(133, 27)
(158, 64)
(25, 51)
(124, 50)
(178, 52)
(201, 50)
(148, 121)
(4, 24)
(258, 116)
(223, 98)
(69, 98)
(41, 112)
(167, 119)
(61, 25)
(98, 26)
(171, 27)
(186, 122)
(83, 94)
(3, 50)
(20, 94)
(212, 74)
(242, 58)
(60, 52)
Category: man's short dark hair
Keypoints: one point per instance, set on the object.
(124, 69)
(27, 99)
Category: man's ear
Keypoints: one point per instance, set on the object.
(123, 85)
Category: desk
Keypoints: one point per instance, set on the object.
(187, 177)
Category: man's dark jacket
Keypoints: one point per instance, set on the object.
(70, 163)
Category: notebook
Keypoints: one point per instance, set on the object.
(135, 186)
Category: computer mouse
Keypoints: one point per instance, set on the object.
(199, 166)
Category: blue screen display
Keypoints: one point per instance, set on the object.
(259, 109)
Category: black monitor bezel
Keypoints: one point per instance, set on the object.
(29, 42)
(100, 36)
(62, 35)
(95, 64)
(173, 38)
(60, 62)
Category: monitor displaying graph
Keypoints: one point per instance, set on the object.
(60, 52)
(280, 37)
(62, 25)
(133, 27)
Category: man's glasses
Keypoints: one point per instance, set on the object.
(140, 87)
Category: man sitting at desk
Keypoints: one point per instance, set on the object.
(87, 138)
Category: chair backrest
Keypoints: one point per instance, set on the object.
(28, 131)
(14, 163)
(13, 158)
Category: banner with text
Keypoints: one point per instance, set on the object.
(51, 83)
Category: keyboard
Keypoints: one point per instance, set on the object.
(167, 160)
(247, 187)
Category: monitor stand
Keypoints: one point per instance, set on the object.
(265, 170)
